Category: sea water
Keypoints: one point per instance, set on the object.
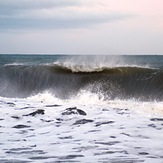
(62, 108)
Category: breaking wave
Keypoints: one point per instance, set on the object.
(67, 81)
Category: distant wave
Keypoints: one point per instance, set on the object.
(14, 64)
(67, 80)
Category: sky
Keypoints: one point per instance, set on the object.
(81, 27)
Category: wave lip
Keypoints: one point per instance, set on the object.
(88, 68)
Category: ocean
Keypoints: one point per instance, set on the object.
(81, 108)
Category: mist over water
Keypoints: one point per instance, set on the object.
(91, 63)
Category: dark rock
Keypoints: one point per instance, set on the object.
(143, 153)
(43, 120)
(47, 120)
(111, 152)
(9, 160)
(52, 105)
(94, 131)
(42, 157)
(108, 143)
(152, 125)
(15, 117)
(142, 136)
(104, 123)
(59, 119)
(27, 107)
(11, 104)
(71, 157)
(20, 126)
(17, 149)
(39, 111)
(66, 137)
(73, 110)
(33, 145)
(126, 134)
(156, 119)
(81, 112)
(82, 121)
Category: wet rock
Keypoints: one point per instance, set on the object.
(20, 126)
(66, 137)
(156, 119)
(59, 119)
(27, 107)
(142, 136)
(82, 121)
(43, 120)
(111, 152)
(152, 125)
(15, 117)
(126, 134)
(12, 150)
(55, 105)
(143, 153)
(93, 131)
(104, 123)
(11, 104)
(71, 157)
(108, 143)
(81, 112)
(73, 110)
(39, 111)
(42, 157)
(13, 160)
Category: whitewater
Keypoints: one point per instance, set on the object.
(62, 108)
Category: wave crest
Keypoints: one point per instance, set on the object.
(75, 68)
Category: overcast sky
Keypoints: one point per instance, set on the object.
(81, 26)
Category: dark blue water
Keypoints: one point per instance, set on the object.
(153, 61)
(28, 59)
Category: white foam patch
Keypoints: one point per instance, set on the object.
(88, 98)
(15, 64)
(113, 134)
(153, 108)
(45, 97)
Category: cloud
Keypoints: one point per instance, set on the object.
(37, 4)
(48, 14)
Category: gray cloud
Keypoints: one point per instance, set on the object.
(18, 7)
(48, 14)
(35, 4)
